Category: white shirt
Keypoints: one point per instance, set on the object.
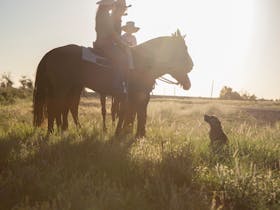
(129, 39)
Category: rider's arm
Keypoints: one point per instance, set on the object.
(116, 37)
(119, 40)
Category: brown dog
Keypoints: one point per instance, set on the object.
(216, 134)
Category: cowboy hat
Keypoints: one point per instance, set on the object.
(105, 2)
(130, 27)
(122, 3)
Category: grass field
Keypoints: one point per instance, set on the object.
(173, 168)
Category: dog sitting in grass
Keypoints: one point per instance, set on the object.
(217, 136)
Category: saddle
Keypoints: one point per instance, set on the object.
(95, 56)
(92, 55)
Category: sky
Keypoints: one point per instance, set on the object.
(232, 43)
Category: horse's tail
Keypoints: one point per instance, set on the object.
(40, 94)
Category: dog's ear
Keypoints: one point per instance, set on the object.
(206, 118)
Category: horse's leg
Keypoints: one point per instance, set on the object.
(144, 99)
(66, 106)
(51, 115)
(58, 113)
(123, 106)
(75, 114)
(113, 110)
(50, 123)
(130, 114)
(117, 106)
(65, 117)
(74, 107)
(103, 110)
(63, 105)
(133, 116)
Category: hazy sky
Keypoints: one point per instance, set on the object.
(233, 42)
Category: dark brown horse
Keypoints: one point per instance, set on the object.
(62, 74)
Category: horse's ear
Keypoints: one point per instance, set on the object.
(179, 33)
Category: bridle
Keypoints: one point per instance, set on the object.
(168, 81)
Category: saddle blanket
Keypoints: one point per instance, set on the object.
(88, 55)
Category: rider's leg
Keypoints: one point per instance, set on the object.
(130, 59)
(120, 64)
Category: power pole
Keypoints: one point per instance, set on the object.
(212, 88)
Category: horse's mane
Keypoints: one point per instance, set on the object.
(157, 49)
(154, 41)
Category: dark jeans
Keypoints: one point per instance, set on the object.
(119, 59)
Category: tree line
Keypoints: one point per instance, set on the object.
(9, 94)
(227, 93)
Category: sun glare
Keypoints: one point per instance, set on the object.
(225, 39)
(219, 37)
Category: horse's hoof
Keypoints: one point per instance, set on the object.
(49, 132)
(128, 130)
(140, 136)
(117, 134)
(64, 128)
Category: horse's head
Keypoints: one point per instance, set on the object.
(179, 61)
(166, 55)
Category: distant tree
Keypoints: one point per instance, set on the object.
(228, 94)
(225, 92)
(9, 94)
(245, 96)
(236, 96)
(26, 83)
(6, 81)
(253, 97)
(248, 96)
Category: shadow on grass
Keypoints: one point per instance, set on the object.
(5, 150)
(93, 173)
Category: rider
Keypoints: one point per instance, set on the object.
(109, 42)
(128, 36)
(118, 12)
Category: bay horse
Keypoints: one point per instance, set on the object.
(62, 74)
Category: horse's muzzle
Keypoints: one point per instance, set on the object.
(186, 85)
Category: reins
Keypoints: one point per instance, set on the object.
(168, 81)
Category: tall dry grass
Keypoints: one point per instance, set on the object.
(173, 168)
